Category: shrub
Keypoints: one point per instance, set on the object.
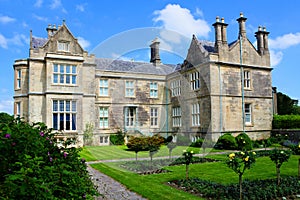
(244, 142)
(118, 138)
(286, 122)
(279, 157)
(197, 143)
(34, 166)
(183, 140)
(226, 141)
(295, 149)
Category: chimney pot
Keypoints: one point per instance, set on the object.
(241, 14)
(222, 20)
(217, 19)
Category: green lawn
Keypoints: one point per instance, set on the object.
(92, 153)
(155, 187)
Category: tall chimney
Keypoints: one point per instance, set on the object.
(51, 30)
(242, 25)
(266, 44)
(262, 40)
(220, 33)
(155, 59)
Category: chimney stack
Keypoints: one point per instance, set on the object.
(155, 58)
(220, 33)
(242, 25)
(262, 40)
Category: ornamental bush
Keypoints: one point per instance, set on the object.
(33, 166)
(226, 141)
(244, 142)
(279, 157)
(118, 138)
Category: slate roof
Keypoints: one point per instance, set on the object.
(38, 42)
(207, 45)
(107, 64)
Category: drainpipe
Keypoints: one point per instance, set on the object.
(220, 99)
(167, 110)
(242, 84)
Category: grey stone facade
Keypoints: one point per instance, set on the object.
(220, 87)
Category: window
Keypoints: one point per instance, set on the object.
(64, 114)
(19, 75)
(103, 117)
(130, 115)
(153, 116)
(196, 114)
(103, 139)
(195, 80)
(247, 80)
(248, 114)
(129, 88)
(18, 108)
(176, 116)
(64, 74)
(176, 88)
(153, 90)
(103, 90)
(63, 46)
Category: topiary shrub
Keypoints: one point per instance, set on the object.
(34, 166)
(197, 143)
(226, 141)
(118, 138)
(183, 140)
(244, 142)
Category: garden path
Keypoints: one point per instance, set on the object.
(111, 189)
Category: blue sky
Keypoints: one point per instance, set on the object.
(97, 24)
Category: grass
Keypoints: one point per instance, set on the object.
(155, 187)
(92, 153)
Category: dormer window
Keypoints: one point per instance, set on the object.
(63, 46)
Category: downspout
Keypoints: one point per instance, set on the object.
(242, 82)
(220, 99)
(167, 109)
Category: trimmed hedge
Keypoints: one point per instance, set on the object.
(286, 122)
(244, 142)
(226, 141)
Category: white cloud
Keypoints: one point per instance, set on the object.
(55, 4)
(6, 106)
(176, 18)
(40, 18)
(285, 41)
(19, 40)
(84, 43)
(80, 8)
(6, 19)
(3, 41)
(38, 3)
(276, 57)
(199, 12)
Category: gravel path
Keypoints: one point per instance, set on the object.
(111, 189)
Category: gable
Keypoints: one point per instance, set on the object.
(63, 42)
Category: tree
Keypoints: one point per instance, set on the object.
(278, 157)
(137, 144)
(153, 144)
(286, 105)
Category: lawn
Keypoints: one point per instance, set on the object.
(92, 153)
(155, 187)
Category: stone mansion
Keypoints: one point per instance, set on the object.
(220, 87)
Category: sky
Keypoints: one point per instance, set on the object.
(123, 29)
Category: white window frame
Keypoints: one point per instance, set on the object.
(129, 88)
(247, 79)
(195, 80)
(195, 108)
(64, 74)
(103, 87)
(19, 78)
(104, 139)
(176, 116)
(248, 113)
(175, 88)
(154, 116)
(18, 108)
(63, 46)
(153, 90)
(65, 111)
(130, 116)
(103, 117)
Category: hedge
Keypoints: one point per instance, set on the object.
(286, 122)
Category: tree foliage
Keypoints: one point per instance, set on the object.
(286, 105)
(33, 166)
